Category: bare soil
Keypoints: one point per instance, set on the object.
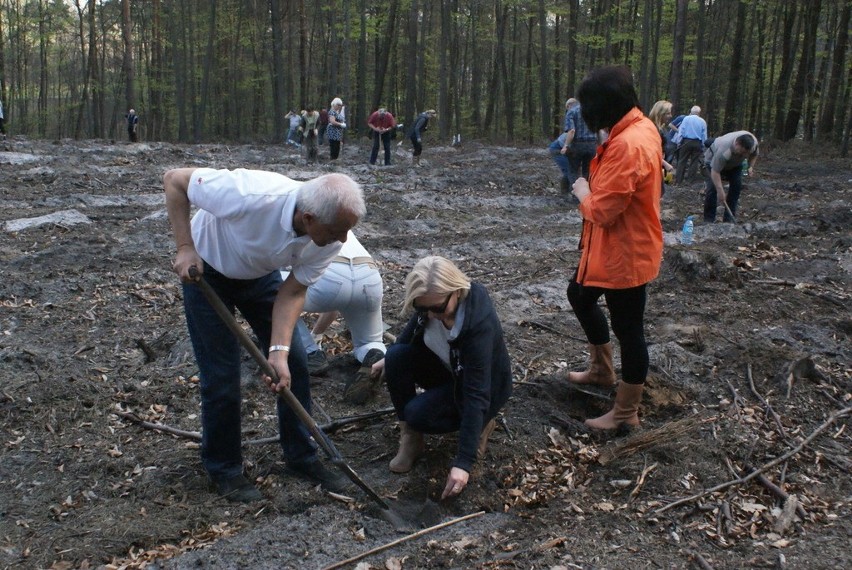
(749, 331)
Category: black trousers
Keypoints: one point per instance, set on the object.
(627, 311)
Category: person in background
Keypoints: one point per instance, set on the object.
(580, 145)
(352, 287)
(295, 121)
(309, 130)
(249, 224)
(449, 369)
(420, 125)
(132, 124)
(336, 126)
(724, 160)
(323, 125)
(2, 122)
(692, 134)
(555, 149)
(621, 239)
(661, 116)
(382, 124)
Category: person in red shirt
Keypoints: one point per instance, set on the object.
(621, 240)
(382, 123)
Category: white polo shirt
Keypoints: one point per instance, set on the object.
(244, 225)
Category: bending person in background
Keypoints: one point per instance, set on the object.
(556, 153)
(353, 287)
(621, 240)
(724, 160)
(335, 128)
(449, 370)
(420, 125)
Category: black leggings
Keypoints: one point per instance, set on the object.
(627, 310)
(334, 149)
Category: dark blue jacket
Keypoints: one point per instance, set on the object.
(481, 369)
(420, 125)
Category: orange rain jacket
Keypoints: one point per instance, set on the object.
(622, 239)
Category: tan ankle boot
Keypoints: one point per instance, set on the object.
(411, 447)
(483, 438)
(601, 371)
(625, 410)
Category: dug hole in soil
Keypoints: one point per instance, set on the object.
(750, 364)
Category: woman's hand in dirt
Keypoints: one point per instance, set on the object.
(580, 189)
(456, 482)
(278, 361)
(185, 259)
(377, 371)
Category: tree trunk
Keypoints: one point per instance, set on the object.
(302, 97)
(825, 128)
(790, 9)
(207, 68)
(544, 87)
(794, 113)
(411, 104)
(278, 71)
(384, 54)
(573, 28)
(127, 61)
(97, 91)
(647, 90)
(676, 76)
(735, 71)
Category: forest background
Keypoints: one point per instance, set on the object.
(496, 70)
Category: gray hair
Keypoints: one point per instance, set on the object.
(328, 195)
(336, 101)
(696, 110)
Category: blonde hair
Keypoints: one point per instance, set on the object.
(434, 274)
(658, 111)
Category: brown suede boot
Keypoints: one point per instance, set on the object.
(483, 438)
(624, 411)
(601, 371)
(411, 447)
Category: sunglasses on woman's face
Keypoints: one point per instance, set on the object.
(435, 309)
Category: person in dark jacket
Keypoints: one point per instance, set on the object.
(453, 349)
(420, 125)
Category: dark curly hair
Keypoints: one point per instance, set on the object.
(606, 95)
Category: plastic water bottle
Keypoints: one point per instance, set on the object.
(745, 167)
(688, 231)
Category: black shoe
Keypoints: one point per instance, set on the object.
(238, 490)
(363, 386)
(315, 472)
(317, 363)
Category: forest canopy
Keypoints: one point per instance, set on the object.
(500, 70)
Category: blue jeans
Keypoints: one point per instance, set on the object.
(408, 367)
(734, 176)
(580, 155)
(560, 159)
(386, 141)
(217, 352)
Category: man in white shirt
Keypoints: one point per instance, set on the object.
(249, 225)
(692, 133)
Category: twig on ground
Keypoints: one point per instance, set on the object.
(406, 538)
(551, 329)
(702, 563)
(834, 417)
(738, 402)
(766, 406)
(776, 490)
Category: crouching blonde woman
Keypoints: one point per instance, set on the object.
(453, 349)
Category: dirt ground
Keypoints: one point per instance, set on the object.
(750, 358)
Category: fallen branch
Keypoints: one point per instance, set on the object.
(834, 417)
(417, 534)
(766, 405)
(777, 491)
(548, 328)
(646, 439)
(328, 428)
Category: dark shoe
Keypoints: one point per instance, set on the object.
(363, 386)
(317, 363)
(316, 473)
(238, 490)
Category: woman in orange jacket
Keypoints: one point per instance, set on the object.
(622, 238)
